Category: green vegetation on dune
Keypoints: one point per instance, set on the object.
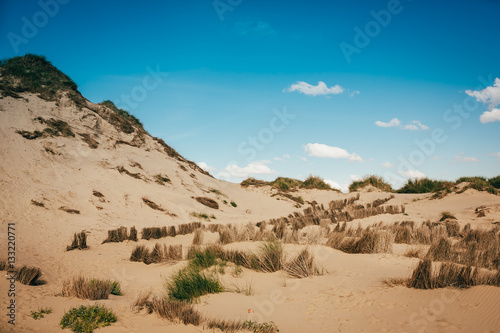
(34, 73)
(286, 184)
(373, 180)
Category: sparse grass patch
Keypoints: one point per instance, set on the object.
(161, 179)
(85, 319)
(203, 216)
(40, 313)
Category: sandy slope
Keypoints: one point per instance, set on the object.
(351, 297)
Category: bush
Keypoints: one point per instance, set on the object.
(425, 185)
(314, 182)
(87, 318)
(373, 180)
(495, 182)
(34, 73)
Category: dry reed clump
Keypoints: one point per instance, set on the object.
(302, 266)
(162, 232)
(198, 237)
(184, 312)
(369, 241)
(208, 202)
(158, 254)
(116, 235)
(172, 310)
(414, 253)
(29, 275)
(133, 234)
(230, 234)
(3, 265)
(440, 250)
(448, 275)
(92, 289)
(79, 242)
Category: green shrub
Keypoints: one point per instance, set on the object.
(201, 259)
(86, 319)
(234, 204)
(425, 185)
(314, 182)
(373, 180)
(189, 284)
(35, 74)
(495, 182)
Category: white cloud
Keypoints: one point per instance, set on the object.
(206, 167)
(496, 154)
(344, 188)
(436, 157)
(310, 90)
(413, 174)
(281, 158)
(303, 158)
(387, 164)
(355, 178)
(415, 125)
(393, 123)
(321, 150)
(354, 93)
(461, 158)
(254, 168)
(490, 116)
(489, 95)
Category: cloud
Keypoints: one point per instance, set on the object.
(254, 168)
(490, 116)
(414, 174)
(344, 188)
(321, 150)
(436, 157)
(387, 164)
(254, 28)
(461, 158)
(489, 95)
(281, 158)
(206, 167)
(354, 93)
(310, 90)
(393, 123)
(415, 125)
(303, 158)
(496, 154)
(355, 178)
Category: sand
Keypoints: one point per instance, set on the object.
(64, 172)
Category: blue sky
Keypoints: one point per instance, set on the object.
(258, 88)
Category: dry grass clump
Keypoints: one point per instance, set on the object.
(184, 312)
(362, 241)
(229, 233)
(414, 253)
(271, 256)
(302, 266)
(440, 250)
(69, 210)
(79, 242)
(198, 237)
(158, 254)
(29, 275)
(92, 289)
(161, 232)
(448, 275)
(208, 202)
(116, 235)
